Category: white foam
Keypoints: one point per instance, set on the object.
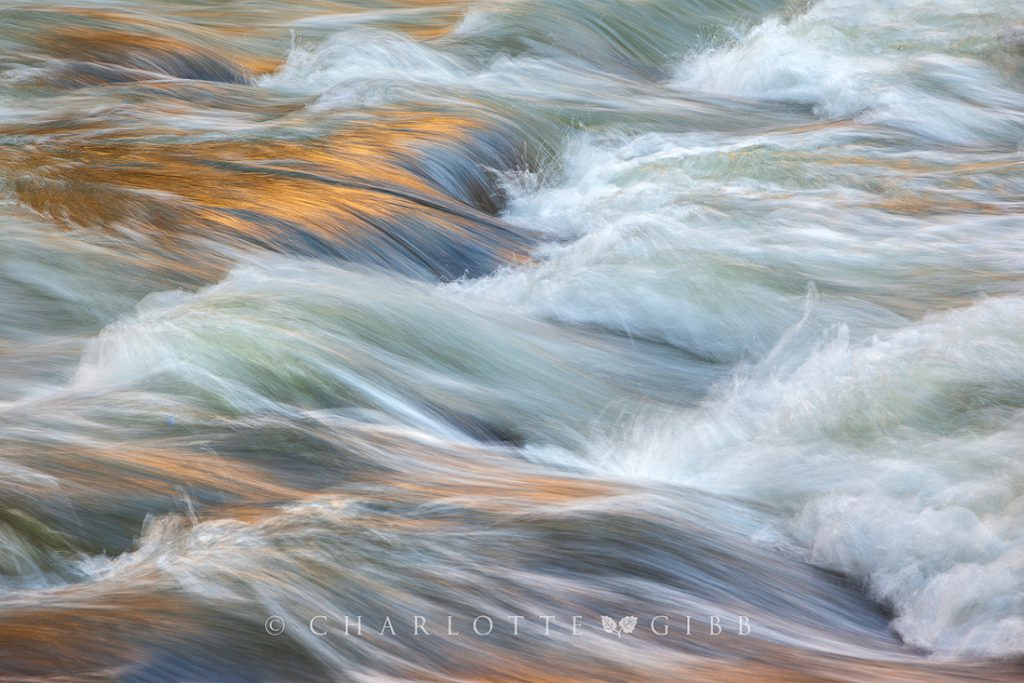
(896, 459)
(708, 242)
(363, 67)
(887, 441)
(917, 66)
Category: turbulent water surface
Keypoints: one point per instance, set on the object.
(579, 308)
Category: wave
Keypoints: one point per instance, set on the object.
(584, 307)
(893, 459)
(916, 67)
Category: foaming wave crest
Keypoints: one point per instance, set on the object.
(894, 459)
(364, 67)
(916, 66)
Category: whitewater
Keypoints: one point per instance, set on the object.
(695, 308)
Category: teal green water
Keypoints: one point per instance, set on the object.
(574, 308)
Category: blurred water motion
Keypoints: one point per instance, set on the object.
(434, 314)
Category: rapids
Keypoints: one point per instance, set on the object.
(520, 312)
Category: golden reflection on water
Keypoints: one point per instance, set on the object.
(287, 181)
(352, 188)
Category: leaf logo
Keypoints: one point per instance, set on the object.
(624, 625)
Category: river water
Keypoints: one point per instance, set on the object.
(529, 313)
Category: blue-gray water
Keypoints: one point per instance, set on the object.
(581, 308)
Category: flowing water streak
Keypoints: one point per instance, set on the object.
(576, 307)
